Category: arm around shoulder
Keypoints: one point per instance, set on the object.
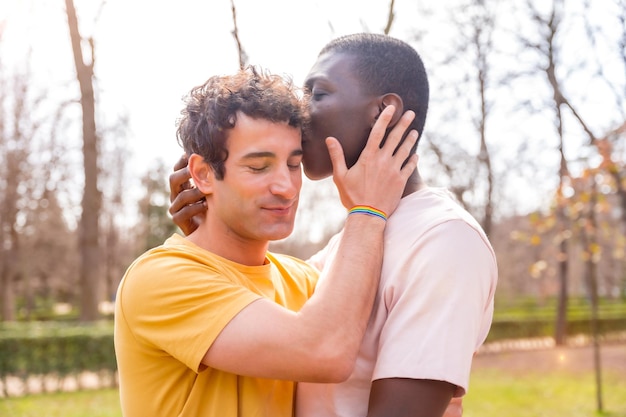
(319, 343)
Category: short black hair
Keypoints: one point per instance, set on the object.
(387, 65)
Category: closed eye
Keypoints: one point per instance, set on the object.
(294, 163)
(317, 94)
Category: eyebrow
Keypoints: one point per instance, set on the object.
(312, 80)
(266, 154)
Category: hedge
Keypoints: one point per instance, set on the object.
(64, 350)
(57, 350)
(523, 328)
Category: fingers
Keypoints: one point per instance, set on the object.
(179, 181)
(394, 139)
(188, 212)
(400, 145)
(187, 203)
(393, 144)
(187, 218)
(404, 151)
(409, 166)
(336, 156)
(380, 174)
(378, 131)
(181, 163)
(185, 198)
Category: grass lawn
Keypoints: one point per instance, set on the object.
(493, 393)
(100, 403)
(497, 393)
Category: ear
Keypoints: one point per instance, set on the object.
(386, 100)
(201, 173)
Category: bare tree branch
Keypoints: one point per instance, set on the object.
(390, 17)
(243, 57)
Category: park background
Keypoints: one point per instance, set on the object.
(527, 127)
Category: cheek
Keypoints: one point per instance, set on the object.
(240, 191)
(341, 119)
(354, 141)
(297, 179)
(324, 115)
(316, 162)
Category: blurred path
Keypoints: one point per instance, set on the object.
(573, 359)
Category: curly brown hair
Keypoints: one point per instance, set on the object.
(211, 110)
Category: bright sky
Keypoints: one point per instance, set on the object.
(149, 53)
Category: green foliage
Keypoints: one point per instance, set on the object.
(529, 318)
(544, 327)
(42, 310)
(55, 348)
(526, 307)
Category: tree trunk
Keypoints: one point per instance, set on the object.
(88, 234)
(590, 240)
(7, 289)
(560, 331)
(10, 240)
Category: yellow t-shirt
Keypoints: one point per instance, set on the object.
(171, 305)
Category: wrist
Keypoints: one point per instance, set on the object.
(368, 211)
(365, 221)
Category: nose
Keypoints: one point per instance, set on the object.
(286, 183)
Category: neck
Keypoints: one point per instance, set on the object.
(230, 246)
(414, 183)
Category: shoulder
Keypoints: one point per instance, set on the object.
(169, 269)
(433, 215)
(432, 205)
(171, 256)
(437, 246)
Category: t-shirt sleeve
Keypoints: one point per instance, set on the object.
(439, 306)
(184, 319)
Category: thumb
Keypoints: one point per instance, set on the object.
(336, 156)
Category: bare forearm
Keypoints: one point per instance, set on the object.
(410, 397)
(320, 342)
(338, 313)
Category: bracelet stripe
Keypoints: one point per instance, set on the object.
(369, 210)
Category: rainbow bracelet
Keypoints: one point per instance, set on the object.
(371, 211)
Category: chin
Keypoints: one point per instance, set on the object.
(316, 174)
(280, 235)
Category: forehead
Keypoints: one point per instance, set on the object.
(336, 67)
(256, 133)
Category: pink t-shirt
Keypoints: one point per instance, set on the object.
(433, 308)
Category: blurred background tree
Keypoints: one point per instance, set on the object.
(516, 130)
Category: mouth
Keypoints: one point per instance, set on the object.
(280, 209)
